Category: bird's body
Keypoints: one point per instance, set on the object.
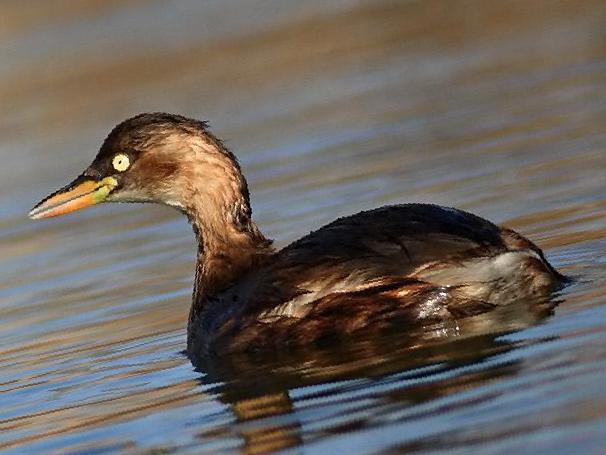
(389, 267)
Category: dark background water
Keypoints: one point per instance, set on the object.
(333, 107)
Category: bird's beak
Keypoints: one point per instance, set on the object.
(81, 193)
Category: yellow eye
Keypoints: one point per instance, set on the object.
(121, 162)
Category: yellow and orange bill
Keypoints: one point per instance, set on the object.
(81, 193)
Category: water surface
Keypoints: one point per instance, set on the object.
(333, 107)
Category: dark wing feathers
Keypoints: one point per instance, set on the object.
(395, 228)
(376, 246)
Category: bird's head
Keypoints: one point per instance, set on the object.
(162, 158)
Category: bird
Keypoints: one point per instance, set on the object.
(392, 267)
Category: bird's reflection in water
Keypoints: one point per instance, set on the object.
(409, 369)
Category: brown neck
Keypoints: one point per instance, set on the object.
(225, 253)
(217, 205)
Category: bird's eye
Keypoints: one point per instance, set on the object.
(121, 162)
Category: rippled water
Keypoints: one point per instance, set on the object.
(333, 107)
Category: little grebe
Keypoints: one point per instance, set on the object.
(412, 263)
